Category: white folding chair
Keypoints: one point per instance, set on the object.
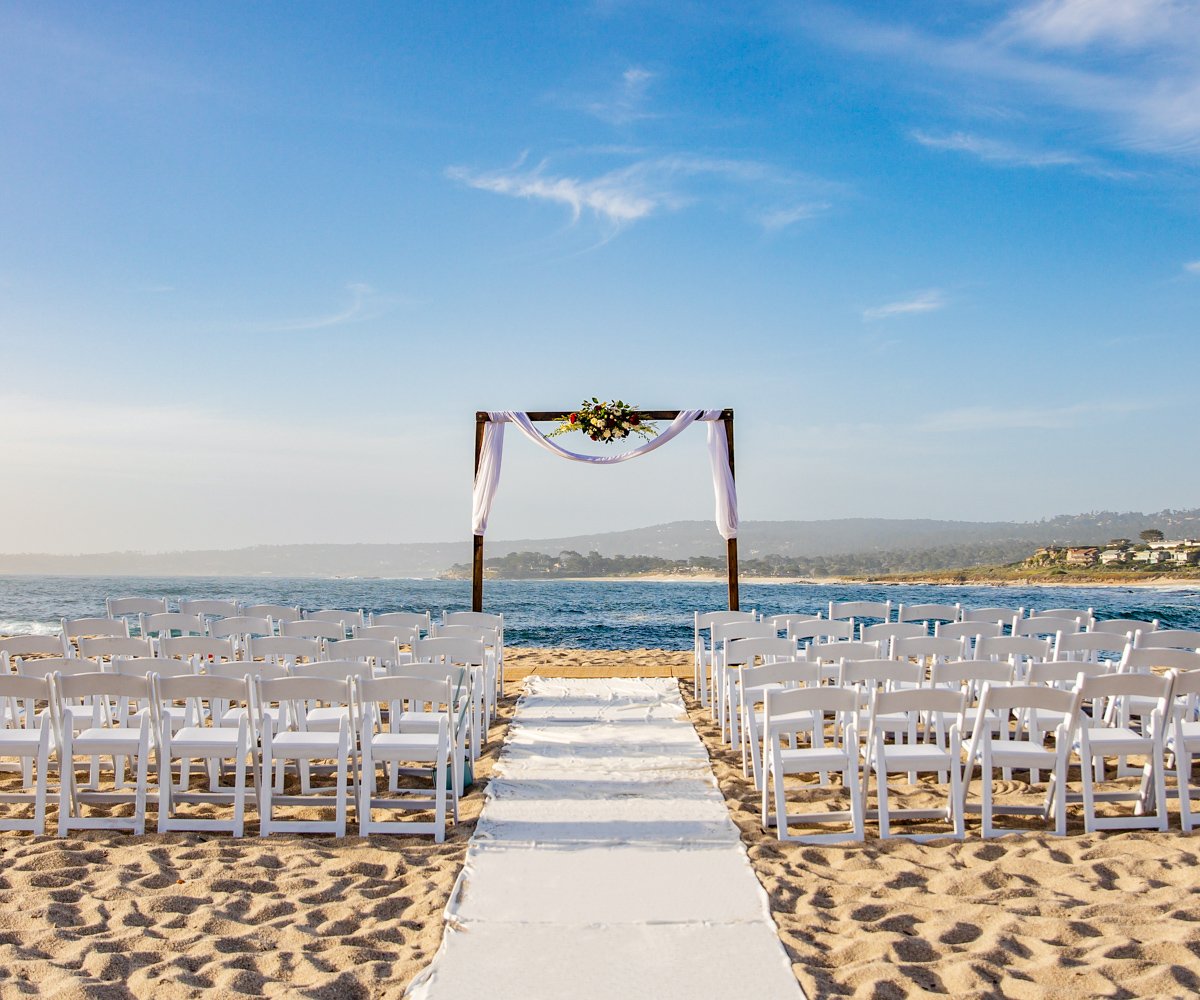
(103, 650)
(929, 613)
(472, 655)
(1045, 626)
(1011, 748)
(74, 628)
(493, 647)
(240, 629)
(1183, 740)
(297, 742)
(859, 610)
(22, 737)
(787, 714)
(403, 619)
(24, 646)
(819, 632)
(401, 746)
(1005, 616)
(283, 649)
(739, 653)
(210, 608)
(1085, 616)
(203, 649)
(1123, 626)
(382, 654)
(1021, 650)
(1168, 638)
(219, 745)
(131, 607)
(928, 650)
(1062, 675)
(166, 624)
(969, 632)
(105, 737)
(276, 612)
(832, 654)
(1100, 737)
(885, 633)
(703, 621)
(752, 688)
(915, 747)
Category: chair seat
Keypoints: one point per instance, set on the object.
(19, 741)
(406, 746)
(106, 741)
(324, 719)
(320, 743)
(1117, 740)
(201, 739)
(233, 716)
(918, 757)
(814, 759)
(1191, 736)
(1021, 754)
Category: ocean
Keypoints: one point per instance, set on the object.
(610, 614)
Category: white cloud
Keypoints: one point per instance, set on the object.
(1192, 267)
(994, 151)
(652, 184)
(923, 302)
(1078, 23)
(628, 102)
(364, 304)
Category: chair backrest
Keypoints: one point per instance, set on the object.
(334, 669)
(929, 613)
(781, 623)
(119, 607)
(478, 618)
(299, 692)
(98, 685)
(971, 674)
(789, 673)
(908, 701)
(787, 710)
(929, 647)
(490, 636)
(240, 625)
(1146, 659)
(1125, 625)
(467, 652)
(832, 652)
(209, 606)
(402, 619)
(384, 651)
(1063, 673)
(860, 609)
(13, 690)
(348, 619)
(46, 665)
(313, 629)
(73, 627)
(1047, 626)
(276, 612)
(966, 630)
(886, 632)
(1088, 645)
(746, 651)
(1120, 686)
(203, 694)
(1005, 698)
(108, 646)
(203, 646)
(1085, 615)
(1020, 646)
(254, 669)
(820, 631)
(173, 621)
(1168, 638)
(1187, 684)
(741, 630)
(438, 695)
(144, 666)
(405, 635)
(32, 645)
(880, 673)
(995, 614)
(707, 619)
(283, 647)
(434, 671)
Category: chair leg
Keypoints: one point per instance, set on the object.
(781, 819)
(1183, 780)
(1087, 773)
(881, 794)
(439, 796)
(985, 806)
(366, 787)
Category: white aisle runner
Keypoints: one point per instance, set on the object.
(605, 864)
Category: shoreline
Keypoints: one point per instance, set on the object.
(1153, 583)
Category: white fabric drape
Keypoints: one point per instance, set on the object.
(487, 479)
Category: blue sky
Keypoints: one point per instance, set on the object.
(260, 264)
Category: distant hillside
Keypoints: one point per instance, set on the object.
(843, 538)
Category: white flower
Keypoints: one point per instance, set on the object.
(607, 434)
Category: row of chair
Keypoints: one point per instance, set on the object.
(335, 716)
(1100, 716)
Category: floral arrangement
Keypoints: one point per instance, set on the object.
(607, 422)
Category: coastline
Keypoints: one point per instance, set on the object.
(1152, 583)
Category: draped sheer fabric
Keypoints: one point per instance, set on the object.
(487, 479)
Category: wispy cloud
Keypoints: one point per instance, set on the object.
(1069, 55)
(622, 196)
(923, 302)
(1192, 267)
(627, 103)
(1005, 154)
(364, 304)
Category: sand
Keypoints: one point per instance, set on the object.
(186, 915)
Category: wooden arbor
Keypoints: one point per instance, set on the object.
(482, 417)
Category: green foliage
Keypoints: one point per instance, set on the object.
(1151, 535)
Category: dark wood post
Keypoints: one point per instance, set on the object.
(731, 556)
(477, 540)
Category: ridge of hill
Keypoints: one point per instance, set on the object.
(842, 537)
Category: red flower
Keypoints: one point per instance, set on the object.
(573, 417)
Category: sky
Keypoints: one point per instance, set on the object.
(261, 263)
